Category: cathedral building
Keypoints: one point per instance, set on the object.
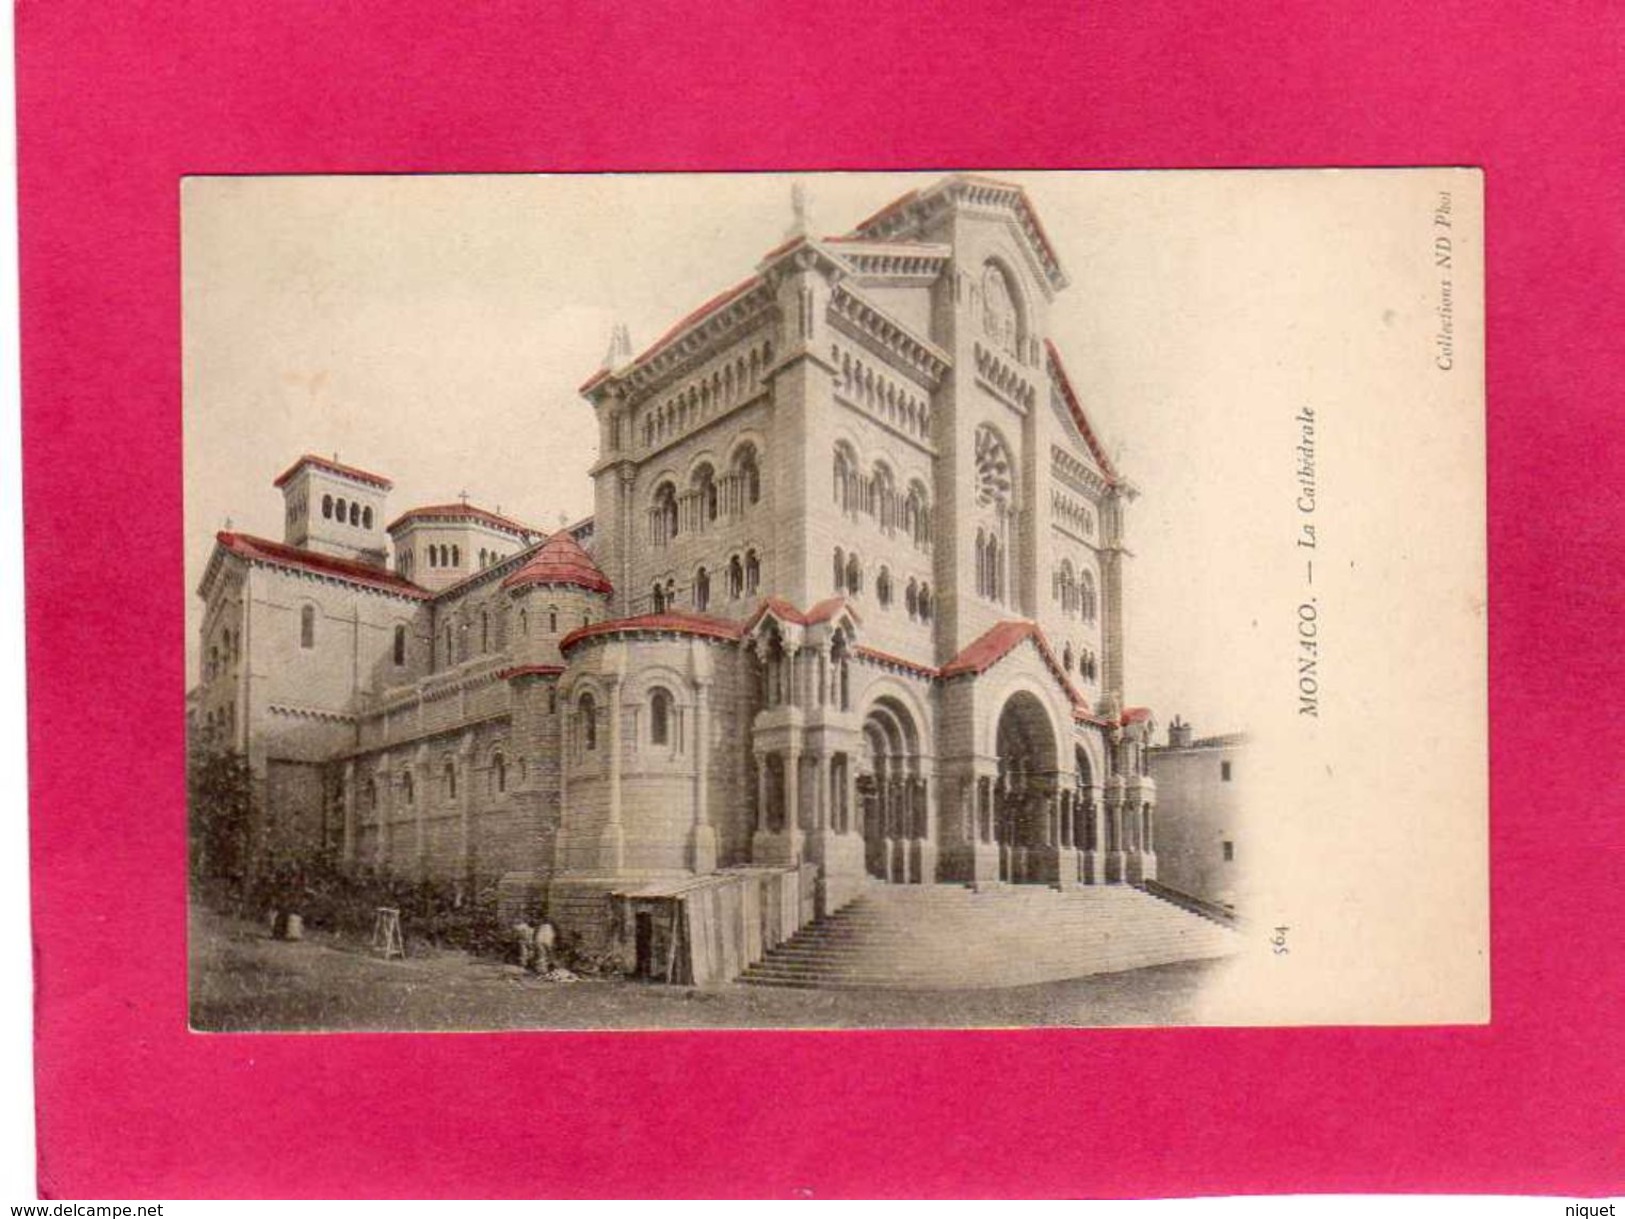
(848, 613)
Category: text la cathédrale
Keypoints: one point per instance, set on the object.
(1305, 452)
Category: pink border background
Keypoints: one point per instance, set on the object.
(117, 101)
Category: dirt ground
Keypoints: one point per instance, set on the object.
(241, 979)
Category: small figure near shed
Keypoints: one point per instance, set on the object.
(525, 944)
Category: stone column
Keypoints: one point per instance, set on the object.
(703, 838)
(465, 809)
(792, 803)
(348, 854)
(421, 780)
(929, 849)
(383, 814)
(1066, 858)
(612, 839)
(1113, 809)
(1089, 843)
(763, 778)
(853, 820)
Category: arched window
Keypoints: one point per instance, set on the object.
(854, 575)
(409, 787)
(552, 620)
(456, 556)
(736, 577)
(660, 717)
(327, 507)
(883, 588)
(450, 780)
(1066, 658)
(916, 518)
(434, 559)
(663, 515)
(340, 510)
(657, 598)
(747, 472)
(552, 700)
(448, 644)
(369, 794)
(702, 589)
(307, 626)
(1087, 597)
(840, 570)
(911, 598)
(704, 485)
(524, 624)
(1066, 588)
(753, 572)
(366, 518)
(400, 645)
(587, 714)
(925, 603)
(485, 631)
(846, 478)
(883, 496)
(499, 772)
(355, 513)
(482, 558)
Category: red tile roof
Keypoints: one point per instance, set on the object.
(333, 467)
(674, 622)
(886, 658)
(704, 311)
(261, 550)
(1058, 370)
(561, 560)
(982, 653)
(1133, 715)
(823, 611)
(463, 512)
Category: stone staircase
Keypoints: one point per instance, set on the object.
(928, 937)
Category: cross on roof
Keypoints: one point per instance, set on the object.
(463, 495)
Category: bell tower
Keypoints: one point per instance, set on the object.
(335, 509)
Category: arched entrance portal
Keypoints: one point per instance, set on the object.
(1026, 793)
(891, 794)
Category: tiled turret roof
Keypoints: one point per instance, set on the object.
(561, 560)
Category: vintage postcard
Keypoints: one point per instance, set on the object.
(835, 600)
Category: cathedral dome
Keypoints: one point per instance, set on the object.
(561, 560)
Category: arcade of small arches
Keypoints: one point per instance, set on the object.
(733, 382)
(346, 512)
(707, 498)
(1076, 592)
(848, 581)
(874, 494)
(742, 576)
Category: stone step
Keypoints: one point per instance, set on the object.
(940, 936)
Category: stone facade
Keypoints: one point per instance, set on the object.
(1201, 784)
(852, 611)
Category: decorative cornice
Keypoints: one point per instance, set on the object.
(865, 321)
(1073, 473)
(910, 213)
(1004, 379)
(312, 713)
(688, 344)
(518, 671)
